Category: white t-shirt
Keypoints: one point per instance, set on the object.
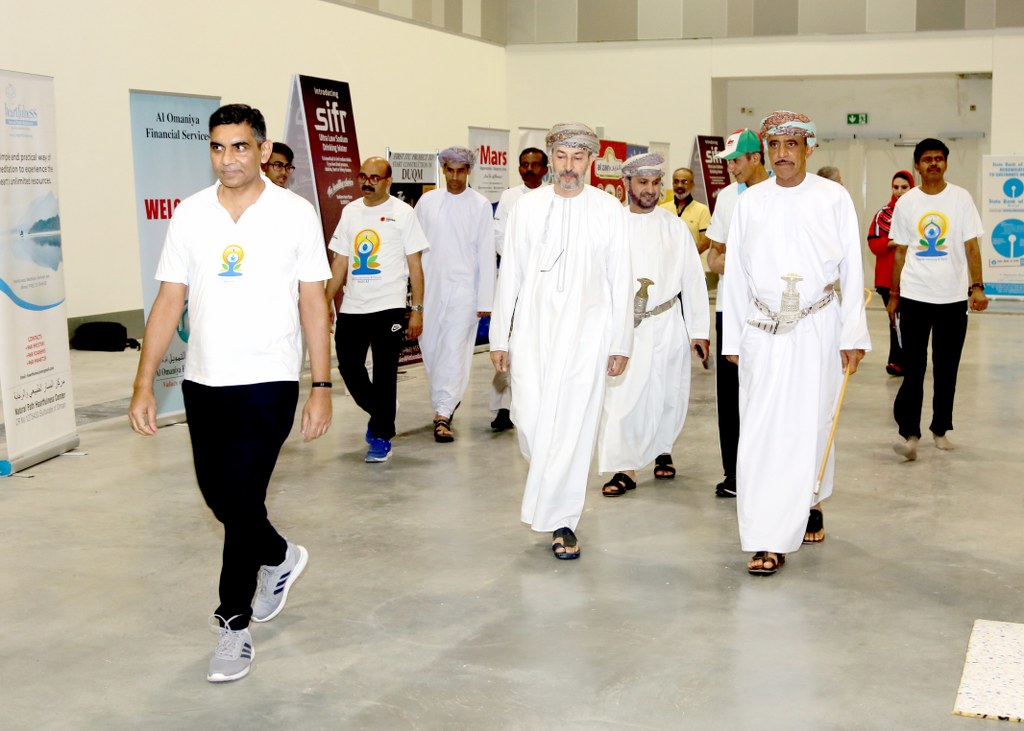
(243, 283)
(377, 240)
(934, 229)
(718, 229)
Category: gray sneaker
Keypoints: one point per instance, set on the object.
(276, 581)
(233, 656)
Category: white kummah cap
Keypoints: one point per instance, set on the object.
(573, 134)
(646, 164)
(456, 154)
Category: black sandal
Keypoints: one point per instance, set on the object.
(445, 424)
(663, 467)
(778, 560)
(620, 484)
(568, 540)
(815, 524)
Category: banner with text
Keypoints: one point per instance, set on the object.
(489, 176)
(171, 153)
(321, 130)
(1002, 211)
(606, 170)
(709, 170)
(35, 361)
(412, 174)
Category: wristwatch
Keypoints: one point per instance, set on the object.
(417, 308)
(976, 285)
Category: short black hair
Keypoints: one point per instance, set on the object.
(282, 149)
(534, 151)
(929, 144)
(241, 114)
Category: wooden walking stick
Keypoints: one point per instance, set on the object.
(835, 419)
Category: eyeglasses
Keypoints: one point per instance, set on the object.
(371, 179)
(278, 165)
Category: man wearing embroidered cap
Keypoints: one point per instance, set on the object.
(744, 153)
(645, 407)
(790, 239)
(562, 321)
(459, 275)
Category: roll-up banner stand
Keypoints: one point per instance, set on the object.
(35, 361)
(171, 152)
(1002, 212)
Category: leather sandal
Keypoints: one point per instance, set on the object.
(620, 484)
(443, 430)
(663, 467)
(770, 563)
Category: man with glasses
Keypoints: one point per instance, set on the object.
(279, 167)
(377, 248)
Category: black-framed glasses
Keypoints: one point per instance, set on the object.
(371, 179)
(278, 165)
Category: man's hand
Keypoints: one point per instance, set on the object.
(415, 325)
(142, 411)
(316, 414)
(701, 349)
(616, 364)
(482, 314)
(851, 358)
(734, 359)
(893, 307)
(500, 360)
(978, 301)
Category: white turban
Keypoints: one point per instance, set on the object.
(573, 134)
(646, 164)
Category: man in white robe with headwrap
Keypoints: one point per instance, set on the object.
(562, 320)
(645, 407)
(791, 238)
(458, 274)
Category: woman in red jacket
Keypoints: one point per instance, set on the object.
(882, 248)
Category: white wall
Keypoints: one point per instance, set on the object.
(405, 91)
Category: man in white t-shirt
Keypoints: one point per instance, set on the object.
(933, 285)
(533, 166)
(377, 247)
(459, 275)
(744, 153)
(250, 257)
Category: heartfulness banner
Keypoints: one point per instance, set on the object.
(171, 149)
(35, 360)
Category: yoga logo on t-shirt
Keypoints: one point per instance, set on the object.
(232, 257)
(364, 258)
(932, 226)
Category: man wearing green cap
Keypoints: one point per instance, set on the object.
(744, 154)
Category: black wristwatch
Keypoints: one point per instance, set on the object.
(976, 285)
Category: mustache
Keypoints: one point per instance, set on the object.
(368, 188)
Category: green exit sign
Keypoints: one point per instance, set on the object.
(857, 118)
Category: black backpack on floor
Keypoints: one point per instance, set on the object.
(107, 336)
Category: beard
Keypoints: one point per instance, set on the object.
(647, 201)
(569, 181)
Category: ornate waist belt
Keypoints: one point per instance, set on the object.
(663, 307)
(782, 322)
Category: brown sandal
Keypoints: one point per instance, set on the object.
(443, 430)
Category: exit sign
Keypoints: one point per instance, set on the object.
(857, 118)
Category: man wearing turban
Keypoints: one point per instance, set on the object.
(645, 407)
(459, 275)
(791, 238)
(562, 322)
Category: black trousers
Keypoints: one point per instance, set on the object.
(895, 351)
(947, 326)
(237, 433)
(382, 333)
(727, 387)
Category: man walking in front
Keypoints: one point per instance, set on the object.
(250, 257)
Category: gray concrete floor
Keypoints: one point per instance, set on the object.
(427, 605)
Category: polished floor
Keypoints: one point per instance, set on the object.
(427, 605)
